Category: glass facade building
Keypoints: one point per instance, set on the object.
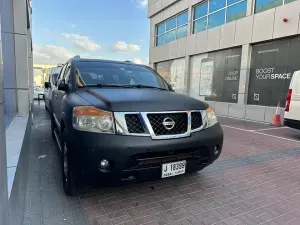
(213, 13)
(237, 55)
(172, 29)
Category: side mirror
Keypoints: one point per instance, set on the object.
(170, 87)
(62, 86)
(47, 85)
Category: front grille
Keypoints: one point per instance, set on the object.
(181, 123)
(196, 120)
(134, 124)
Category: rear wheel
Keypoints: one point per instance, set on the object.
(68, 172)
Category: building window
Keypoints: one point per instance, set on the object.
(172, 29)
(272, 67)
(213, 13)
(173, 72)
(263, 5)
(215, 76)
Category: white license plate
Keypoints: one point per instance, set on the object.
(173, 169)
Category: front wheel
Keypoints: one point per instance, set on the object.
(68, 172)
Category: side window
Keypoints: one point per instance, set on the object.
(62, 72)
(54, 78)
(67, 73)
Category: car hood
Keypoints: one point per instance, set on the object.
(139, 100)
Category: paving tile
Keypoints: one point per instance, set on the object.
(254, 181)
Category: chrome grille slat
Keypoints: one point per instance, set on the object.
(180, 119)
(150, 123)
(196, 120)
(134, 124)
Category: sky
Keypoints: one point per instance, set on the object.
(105, 29)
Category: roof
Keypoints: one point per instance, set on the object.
(105, 60)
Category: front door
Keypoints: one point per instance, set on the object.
(57, 96)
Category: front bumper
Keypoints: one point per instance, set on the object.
(141, 157)
(292, 123)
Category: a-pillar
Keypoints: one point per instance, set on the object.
(244, 74)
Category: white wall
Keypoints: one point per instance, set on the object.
(254, 28)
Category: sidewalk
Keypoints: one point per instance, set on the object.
(256, 181)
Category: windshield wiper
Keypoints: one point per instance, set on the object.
(146, 86)
(122, 86)
(102, 85)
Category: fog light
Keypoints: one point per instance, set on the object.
(216, 150)
(104, 164)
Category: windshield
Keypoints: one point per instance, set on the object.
(110, 73)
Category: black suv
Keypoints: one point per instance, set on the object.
(118, 121)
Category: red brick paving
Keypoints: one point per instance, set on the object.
(266, 193)
(239, 143)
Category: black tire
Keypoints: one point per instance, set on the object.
(69, 176)
(52, 126)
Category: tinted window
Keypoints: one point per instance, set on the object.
(181, 32)
(236, 11)
(200, 24)
(89, 73)
(272, 66)
(161, 28)
(172, 29)
(200, 10)
(171, 24)
(216, 4)
(170, 36)
(62, 71)
(215, 16)
(262, 5)
(54, 77)
(160, 40)
(216, 19)
(182, 19)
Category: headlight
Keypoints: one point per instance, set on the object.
(88, 118)
(209, 118)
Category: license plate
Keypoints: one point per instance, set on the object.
(173, 169)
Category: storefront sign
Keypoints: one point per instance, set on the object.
(220, 75)
(272, 68)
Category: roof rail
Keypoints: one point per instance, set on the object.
(129, 61)
(76, 57)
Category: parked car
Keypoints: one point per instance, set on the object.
(49, 85)
(117, 121)
(38, 93)
(292, 107)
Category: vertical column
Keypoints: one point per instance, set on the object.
(21, 55)
(9, 63)
(187, 76)
(190, 21)
(152, 43)
(250, 7)
(244, 74)
(30, 66)
(3, 162)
